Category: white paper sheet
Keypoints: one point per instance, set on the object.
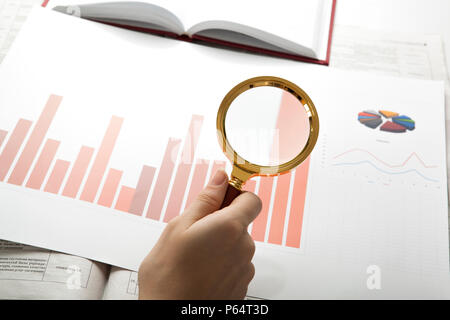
(392, 53)
(377, 211)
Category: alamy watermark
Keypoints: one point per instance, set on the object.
(373, 281)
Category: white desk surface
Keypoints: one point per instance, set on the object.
(413, 16)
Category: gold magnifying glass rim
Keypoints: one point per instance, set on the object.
(242, 169)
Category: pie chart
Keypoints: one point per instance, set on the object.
(390, 121)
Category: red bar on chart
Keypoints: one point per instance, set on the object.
(184, 169)
(43, 164)
(297, 205)
(163, 180)
(125, 197)
(12, 147)
(78, 171)
(198, 180)
(250, 186)
(110, 188)
(293, 129)
(217, 164)
(279, 209)
(142, 190)
(57, 176)
(260, 223)
(34, 142)
(101, 160)
(3, 134)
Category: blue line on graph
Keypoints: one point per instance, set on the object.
(384, 171)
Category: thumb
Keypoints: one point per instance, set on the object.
(210, 199)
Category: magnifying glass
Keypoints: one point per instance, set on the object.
(266, 126)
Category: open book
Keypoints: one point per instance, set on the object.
(28, 272)
(299, 30)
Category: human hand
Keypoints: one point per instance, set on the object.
(205, 253)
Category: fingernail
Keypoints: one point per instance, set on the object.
(219, 178)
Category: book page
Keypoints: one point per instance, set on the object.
(33, 273)
(130, 14)
(122, 285)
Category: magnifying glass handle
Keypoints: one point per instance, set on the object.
(230, 195)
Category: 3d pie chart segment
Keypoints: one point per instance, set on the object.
(372, 112)
(392, 127)
(405, 121)
(399, 123)
(373, 123)
(370, 118)
(389, 114)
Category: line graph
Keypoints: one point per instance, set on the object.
(412, 155)
(384, 171)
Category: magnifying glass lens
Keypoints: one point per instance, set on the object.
(267, 126)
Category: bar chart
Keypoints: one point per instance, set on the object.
(29, 158)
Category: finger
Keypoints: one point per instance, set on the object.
(210, 199)
(244, 208)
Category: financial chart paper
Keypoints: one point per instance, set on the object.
(108, 134)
